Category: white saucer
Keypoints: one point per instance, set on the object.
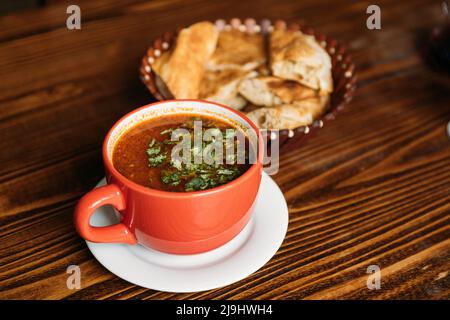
(246, 253)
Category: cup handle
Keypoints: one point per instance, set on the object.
(109, 194)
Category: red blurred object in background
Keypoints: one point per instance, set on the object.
(439, 42)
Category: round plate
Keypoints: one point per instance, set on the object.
(237, 259)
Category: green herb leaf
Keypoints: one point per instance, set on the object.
(153, 150)
(196, 184)
(171, 178)
(156, 161)
(226, 171)
(195, 176)
(176, 163)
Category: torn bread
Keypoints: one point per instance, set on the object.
(263, 70)
(157, 66)
(182, 72)
(296, 56)
(289, 116)
(237, 50)
(222, 87)
(250, 107)
(272, 91)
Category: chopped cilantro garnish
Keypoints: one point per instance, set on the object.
(176, 163)
(156, 161)
(195, 184)
(226, 171)
(155, 157)
(195, 176)
(171, 178)
(153, 151)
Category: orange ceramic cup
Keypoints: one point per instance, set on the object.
(173, 222)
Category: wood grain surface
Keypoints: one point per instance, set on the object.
(372, 187)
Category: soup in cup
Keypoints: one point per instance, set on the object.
(182, 174)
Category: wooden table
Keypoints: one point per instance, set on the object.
(373, 187)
